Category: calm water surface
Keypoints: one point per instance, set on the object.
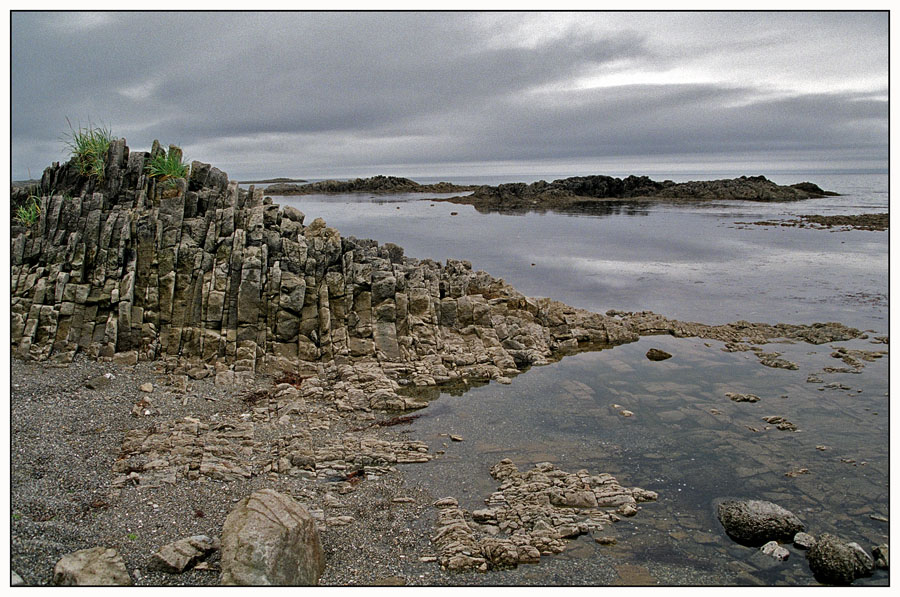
(686, 440)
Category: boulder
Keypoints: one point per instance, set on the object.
(838, 562)
(270, 539)
(91, 567)
(754, 522)
(804, 540)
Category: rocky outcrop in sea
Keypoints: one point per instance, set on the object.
(375, 184)
(582, 192)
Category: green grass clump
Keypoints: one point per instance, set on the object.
(89, 146)
(165, 166)
(29, 213)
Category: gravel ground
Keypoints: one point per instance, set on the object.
(65, 438)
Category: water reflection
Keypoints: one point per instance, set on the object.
(687, 441)
(596, 209)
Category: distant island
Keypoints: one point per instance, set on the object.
(567, 193)
(375, 184)
(583, 191)
(271, 180)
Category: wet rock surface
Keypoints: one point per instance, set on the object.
(836, 561)
(754, 522)
(531, 514)
(872, 222)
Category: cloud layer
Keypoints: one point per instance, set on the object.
(320, 94)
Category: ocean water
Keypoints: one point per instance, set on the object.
(686, 440)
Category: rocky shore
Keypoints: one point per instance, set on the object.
(584, 192)
(193, 343)
(873, 222)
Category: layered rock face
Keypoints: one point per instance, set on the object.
(201, 273)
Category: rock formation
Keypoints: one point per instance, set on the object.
(212, 279)
(531, 514)
(375, 184)
(580, 192)
(204, 274)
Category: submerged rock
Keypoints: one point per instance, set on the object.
(754, 522)
(655, 354)
(775, 551)
(838, 562)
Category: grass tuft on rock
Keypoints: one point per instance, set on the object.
(29, 213)
(89, 146)
(165, 166)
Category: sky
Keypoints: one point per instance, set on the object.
(316, 95)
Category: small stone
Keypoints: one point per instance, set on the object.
(456, 438)
(879, 517)
(804, 540)
(655, 354)
(775, 551)
(821, 448)
(626, 413)
(147, 387)
(605, 540)
(99, 382)
(736, 397)
(428, 559)
(16, 580)
(627, 510)
(881, 555)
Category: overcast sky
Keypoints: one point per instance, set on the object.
(420, 94)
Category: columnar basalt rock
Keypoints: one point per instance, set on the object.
(214, 279)
(201, 273)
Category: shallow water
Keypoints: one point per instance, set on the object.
(686, 440)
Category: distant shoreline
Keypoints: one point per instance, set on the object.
(272, 180)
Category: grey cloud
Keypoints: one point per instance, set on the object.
(358, 90)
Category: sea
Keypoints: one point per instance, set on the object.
(708, 262)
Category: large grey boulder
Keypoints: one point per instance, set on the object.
(755, 522)
(91, 567)
(270, 539)
(838, 562)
